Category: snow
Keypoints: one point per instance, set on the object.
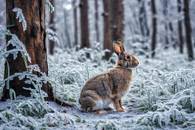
(152, 98)
(161, 96)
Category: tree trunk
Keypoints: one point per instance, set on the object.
(117, 17)
(75, 22)
(113, 23)
(188, 30)
(107, 29)
(172, 39)
(34, 40)
(180, 28)
(154, 27)
(84, 23)
(96, 21)
(166, 25)
(143, 19)
(66, 30)
(52, 27)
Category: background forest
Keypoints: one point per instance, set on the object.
(50, 48)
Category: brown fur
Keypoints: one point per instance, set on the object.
(109, 87)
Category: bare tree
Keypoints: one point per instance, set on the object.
(172, 38)
(117, 17)
(188, 30)
(113, 23)
(34, 40)
(97, 20)
(143, 19)
(74, 3)
(84, 23)
(107, 29)
(154, 27)
(166, 22)
(66, 29)
(52, 27)
(180, 28)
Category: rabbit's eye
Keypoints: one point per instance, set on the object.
(128, 57)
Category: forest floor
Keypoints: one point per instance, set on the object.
(162, 95)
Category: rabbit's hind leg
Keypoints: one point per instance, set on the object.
(87, 103)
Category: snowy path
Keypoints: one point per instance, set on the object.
(89, 120)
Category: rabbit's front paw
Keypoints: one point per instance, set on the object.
(101, 112)
(121, 110)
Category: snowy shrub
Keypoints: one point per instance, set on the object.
(176, 116)
(15, 43)
(29, 75)
(33, 108)
(10, 120)
(162, 119)
(106, 125)
(32, 114)
(153, 119)
(6, 116)
(18, 47)
(57, 120)
(30, 78)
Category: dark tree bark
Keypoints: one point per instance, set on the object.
(84, 24)
(107, 29)
(97, 20)
(34, 40)
(172, 39)
(154, 27)
(117, 17)
(166, 25)
(180, 28)
(188, 30)
(113, 23)
(75, 22)
(52, 27)
(143, 19)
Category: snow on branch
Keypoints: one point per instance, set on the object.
(20, 17)
(51, 7)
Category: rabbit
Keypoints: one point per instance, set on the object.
(102, 90)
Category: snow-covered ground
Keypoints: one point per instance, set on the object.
(162, 95)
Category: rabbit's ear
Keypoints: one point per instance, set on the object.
(118, 47)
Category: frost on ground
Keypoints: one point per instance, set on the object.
(162, 95)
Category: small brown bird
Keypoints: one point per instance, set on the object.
(102, 90)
